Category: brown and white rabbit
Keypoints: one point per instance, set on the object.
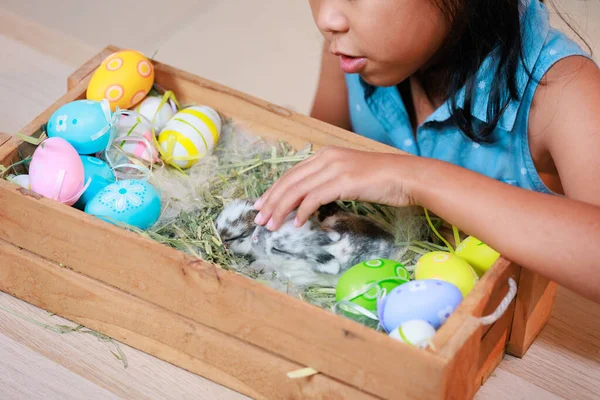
(332, 240)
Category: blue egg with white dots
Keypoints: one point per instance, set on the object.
(430, 300)
(132, 202)
(85, 124)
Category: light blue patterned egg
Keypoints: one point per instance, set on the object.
(101, 176)
(85, 124)
(133, 202)
(430, 300)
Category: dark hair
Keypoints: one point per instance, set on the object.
(478, 27)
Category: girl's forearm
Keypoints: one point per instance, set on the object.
(555, 236)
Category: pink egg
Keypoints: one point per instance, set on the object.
(56, 171)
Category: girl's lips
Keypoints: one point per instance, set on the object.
(352, 65)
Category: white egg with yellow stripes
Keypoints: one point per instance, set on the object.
(189, 135)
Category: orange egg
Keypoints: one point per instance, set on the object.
(124, 78)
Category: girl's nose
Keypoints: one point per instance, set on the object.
(330, 17)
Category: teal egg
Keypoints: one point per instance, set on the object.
(100, 174)
(83, 123)
(133, 202)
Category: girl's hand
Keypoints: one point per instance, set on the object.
(336, 174)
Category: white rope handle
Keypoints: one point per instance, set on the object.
(503, 306)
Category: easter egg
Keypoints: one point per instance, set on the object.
(85, 124)
(479, 255)
(132, 202)
(21, 180)
(192, 132)
(131, 131)
(100, 176)
(353, 283)
(124, 78)
(447, 267)
(429, 300)
(415, 331)
(56, 171)
(159, 117)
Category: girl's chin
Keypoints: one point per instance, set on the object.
(381, 79)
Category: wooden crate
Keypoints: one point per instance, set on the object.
(229, 328)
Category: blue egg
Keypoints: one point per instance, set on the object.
(82, 123)
(100, 174)
(133, 202)
(430, 300)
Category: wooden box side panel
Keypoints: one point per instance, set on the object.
(216, 298)
(535, 301)
(473, 359)
(205, 351)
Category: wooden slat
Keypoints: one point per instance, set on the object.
(4, 138)
(462, 351)
(260, 116)
(220, 299)
(535, 301)
(493, 345)
(89, 67)
(483, 299)
(203, 350)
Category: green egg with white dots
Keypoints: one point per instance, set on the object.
(353, 284)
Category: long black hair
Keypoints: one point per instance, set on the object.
(477, 28)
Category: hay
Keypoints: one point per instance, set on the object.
(243, 165)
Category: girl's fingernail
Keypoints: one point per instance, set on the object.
(297, 222)
(258, 204)
(259, 219)
(270, 224)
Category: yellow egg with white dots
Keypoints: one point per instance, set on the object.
(189, 135)
(124, 78)
(447, 267)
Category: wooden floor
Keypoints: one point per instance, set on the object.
(36, 362)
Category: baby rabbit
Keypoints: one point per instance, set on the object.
(332, 240)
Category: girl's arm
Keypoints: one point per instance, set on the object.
(331, 100)
(558, 237)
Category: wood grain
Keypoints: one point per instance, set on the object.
(51, 381)
(462, 350)
(46, 41)
(535, 300)
(233, 304)
(218, 357)
(482, 300)
(502, 385)
(145, 377)
(565, 358)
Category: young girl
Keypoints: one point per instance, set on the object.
(503, 110)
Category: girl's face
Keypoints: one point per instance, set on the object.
(385, 41)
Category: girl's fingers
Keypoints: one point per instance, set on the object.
(262, 199)
(283, 186)
(286, 202)
(324, 194)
